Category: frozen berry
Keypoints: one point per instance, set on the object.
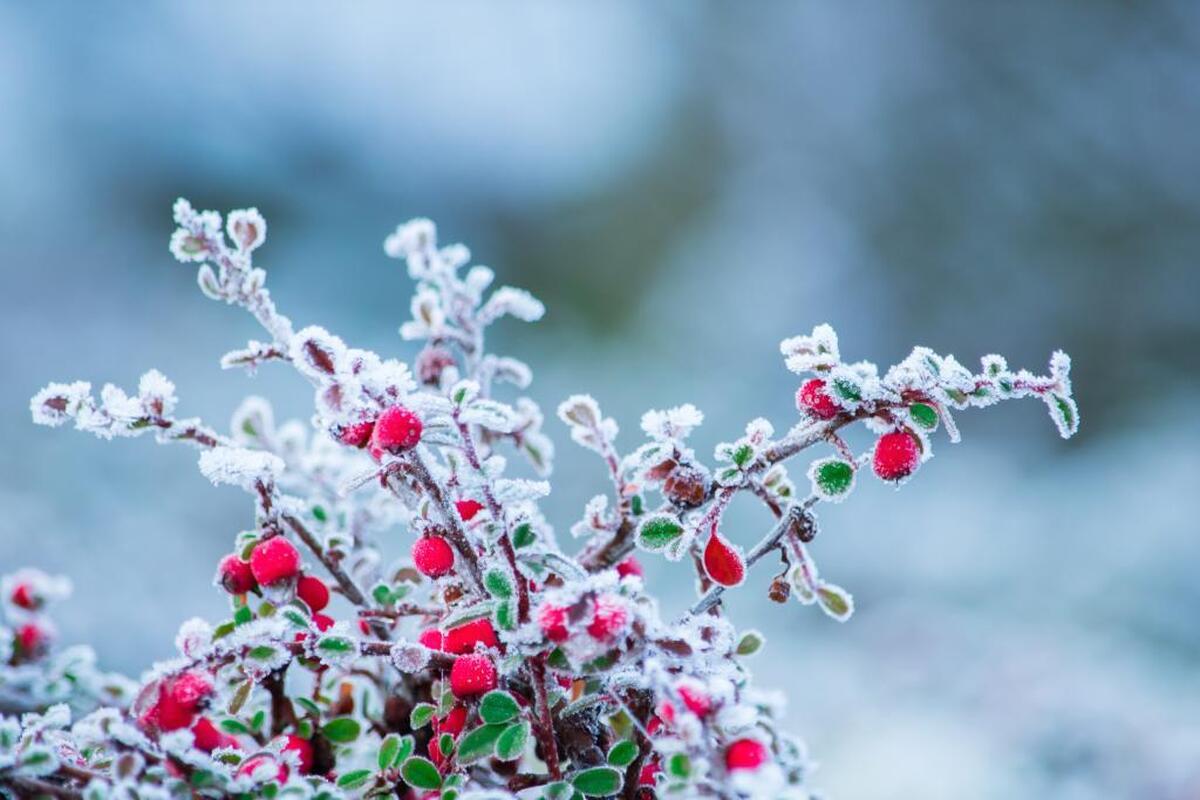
(180, 699)
(431, 638)
(608, 618)
(431, 362)
(467, 509)
(454, 721)
(813, 398)
(31, 639)
(274, 560)
(263, 767)
(396, 431)
(313, 592)
(322, 621)
(23, 596)
(303, 749)
(356, 435)
(696, 700)
(722, 561)
(463, 638)
(208, 737)
(630, 566)
(472, 675)
(433, 556)
(896, 455)
(234, 575)
(745, 754)
(649, 773)
(553, 622)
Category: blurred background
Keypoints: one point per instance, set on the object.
(684, 184)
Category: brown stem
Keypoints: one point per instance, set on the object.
(283, 715)
(537, 669)
(455, 532)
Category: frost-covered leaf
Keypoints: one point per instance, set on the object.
(341, 730)
(498, 706)
(597, 782)
(832, 479)
(420, 773)
(657, 532)
(835, 601)
(479, 743)
(511, 742)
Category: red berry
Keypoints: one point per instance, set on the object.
(435, 753)
(208, 737)
(464, 638)
(31, 639)
(396, 431)
(322, 621)
(608, 618)
(553, 622)
(723, 563)
(431, 638)
(234, 575)
(630, 566)
(303, 749)
(467, 509)
(896, 455)
(262, 766)
(813, 398)
(433, 556)
(696, 700)
(472, 675)
(274, 560)
(649, 773)
(356, 435)
(746, 754)
(665, 713)
(454, 721)
(180, 700)
(24, 597)
(313, 592)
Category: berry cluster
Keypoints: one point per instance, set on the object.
(488, 661)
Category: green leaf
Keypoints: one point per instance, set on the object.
(835, 601)
(319, 513)
(420, 773)
(679, 765)
(924, 415)
(560, 790)
(597, 781)
(420, 716)
(234, 726)
(261, 652)
(847, 389)
(523, 535)
(832, 478)
(496, 581)
(389, 748)
(512, 740)
(309, 705)
(498, 706)
(750, 643)
(658, 531)
(622, 753)
(341, 730)
(354, 779)
(242, 615)
(446, 744)
(335, 644)
(741, 456)
(505, 616)
(382, 594)
(304, 728)
(256, 722)
(479, 743)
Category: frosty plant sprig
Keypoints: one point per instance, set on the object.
(492, 662)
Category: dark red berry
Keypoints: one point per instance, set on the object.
(553, 622)
(396, 431)
(356, 435)
(472, 675)
(234, 575)
(432, 556)
(609, 617)
(313, 592)
(431, 638)
(686, 486)
(303, 749)
(746, 754)
(897, 455)
(630, 566)
(274, 560)
(813, 399)
(467, 509)
(24, 597)
(463, 638)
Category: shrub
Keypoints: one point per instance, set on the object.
(502, 664)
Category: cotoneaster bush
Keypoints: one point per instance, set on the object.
(496, 661)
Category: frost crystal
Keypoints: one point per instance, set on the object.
(238, 466)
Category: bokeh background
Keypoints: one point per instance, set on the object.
(684, 184)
